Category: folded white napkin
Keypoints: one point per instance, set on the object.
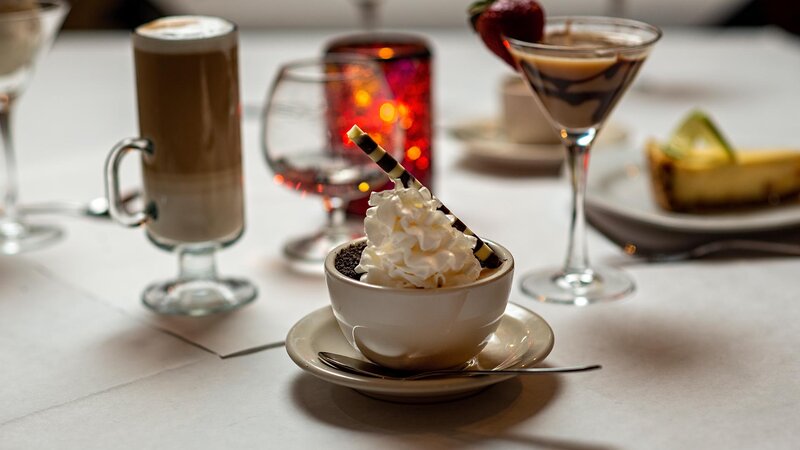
(651, 240)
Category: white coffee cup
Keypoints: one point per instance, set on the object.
(419, 329)
(521, 116)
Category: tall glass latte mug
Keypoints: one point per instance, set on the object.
(190, 145)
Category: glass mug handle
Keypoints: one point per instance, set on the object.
(116, 207)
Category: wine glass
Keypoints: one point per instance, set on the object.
(26, 32)
(578, 73)
(311, 106)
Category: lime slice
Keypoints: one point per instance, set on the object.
(698, 135)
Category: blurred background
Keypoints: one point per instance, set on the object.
(344, 14)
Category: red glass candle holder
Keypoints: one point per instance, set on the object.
(406, 62)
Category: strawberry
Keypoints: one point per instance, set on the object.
(518, 19)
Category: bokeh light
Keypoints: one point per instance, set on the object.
(385, 52)
(362, 98)
(388, 112)
(422, 163)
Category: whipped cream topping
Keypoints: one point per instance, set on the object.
(412, 244)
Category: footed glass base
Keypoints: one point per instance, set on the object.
(198, 297)
(314, 248)
(598, 284)
(18, 237)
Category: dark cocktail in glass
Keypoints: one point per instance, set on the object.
(578, 72)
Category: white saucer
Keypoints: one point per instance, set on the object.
(522, 339)
(485, 139)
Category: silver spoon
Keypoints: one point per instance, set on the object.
(97, 208)
(360, 367)
(709, 248)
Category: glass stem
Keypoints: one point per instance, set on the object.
(337, 215)
(577, 261)
(197, 264)
(10, 212)
(616, 8)
(369, 13)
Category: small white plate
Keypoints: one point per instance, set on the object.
(523, 339)
(620, 184)
(485, 140)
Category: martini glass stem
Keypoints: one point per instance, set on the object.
(576, 266)
(11, 188)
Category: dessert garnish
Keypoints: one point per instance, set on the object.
(402, 177)
(697, 170)
(697, 134)
(518, 19)
(411, 243)
(347, 260)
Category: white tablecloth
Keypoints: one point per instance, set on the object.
(703, 355)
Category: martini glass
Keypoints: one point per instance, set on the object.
(578, 73)
(26, 30)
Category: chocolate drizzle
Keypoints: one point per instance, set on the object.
(604, 88)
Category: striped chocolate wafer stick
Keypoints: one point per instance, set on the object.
(396, 171)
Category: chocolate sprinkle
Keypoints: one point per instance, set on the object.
(347, 260)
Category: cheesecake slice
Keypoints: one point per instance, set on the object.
(713, 181)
